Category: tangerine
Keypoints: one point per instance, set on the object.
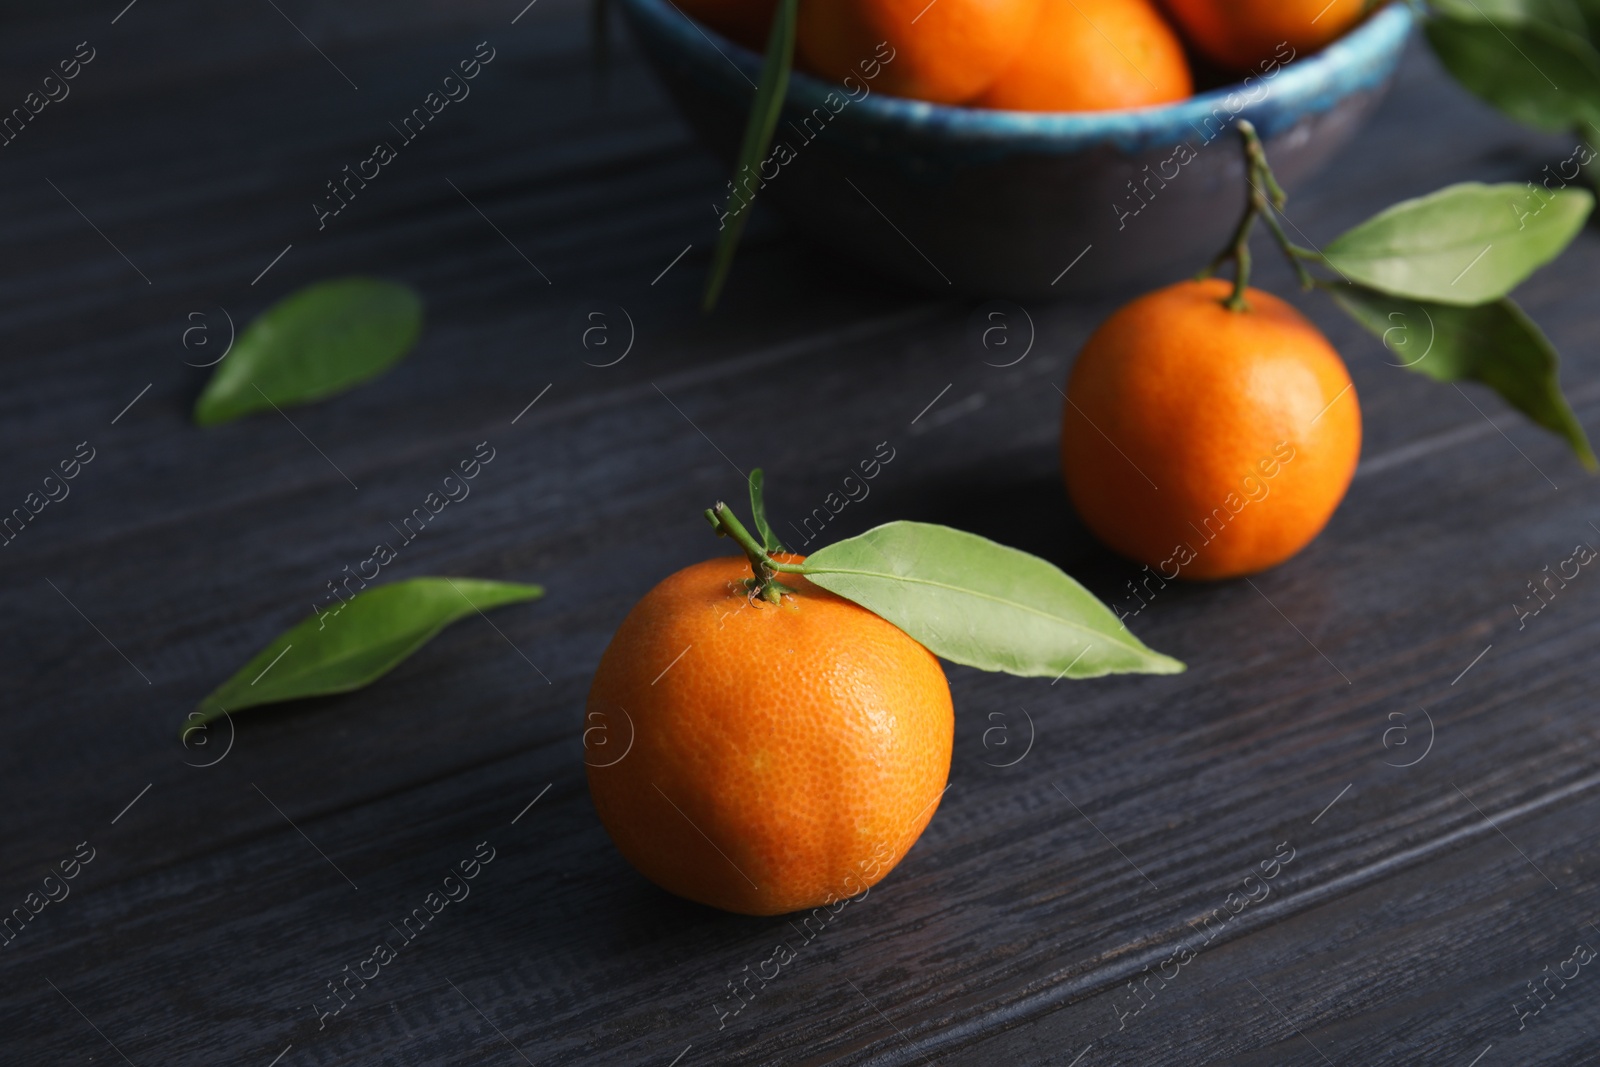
(1094, 55)
(1239, 34)
(944, 51)
(1207, 442)
(783, 756)
(744, 21)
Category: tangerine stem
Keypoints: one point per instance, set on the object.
(763, 568)
(1241, 262)
(1292, 251)
(727, 525)
(1266, 200)
(1275, 200)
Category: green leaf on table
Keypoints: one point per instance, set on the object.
(764, 112)
(351, 646)
(1531, 62)
(1494, 344)
(758, 509)
(981, 604)
(1465, 244)
(312, 344)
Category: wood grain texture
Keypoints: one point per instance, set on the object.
(221, 903)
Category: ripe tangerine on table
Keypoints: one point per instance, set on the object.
(1207, 442)
(784, 756)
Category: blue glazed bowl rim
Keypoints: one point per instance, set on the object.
(1362, 59)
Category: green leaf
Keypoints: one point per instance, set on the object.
(312, 344)
(1465, 244)
(1566, 14)
(1534, 67)
(981, 604)
(346, 648)
(1589, 12)
(764, 112)
(758, 509)
(1589, 136)
(1495, 344)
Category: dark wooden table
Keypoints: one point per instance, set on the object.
(173, 189)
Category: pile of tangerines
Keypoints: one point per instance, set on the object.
(1041, 55)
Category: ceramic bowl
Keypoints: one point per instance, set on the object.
(1020, 204)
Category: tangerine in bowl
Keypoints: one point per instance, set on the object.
(999, 195)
